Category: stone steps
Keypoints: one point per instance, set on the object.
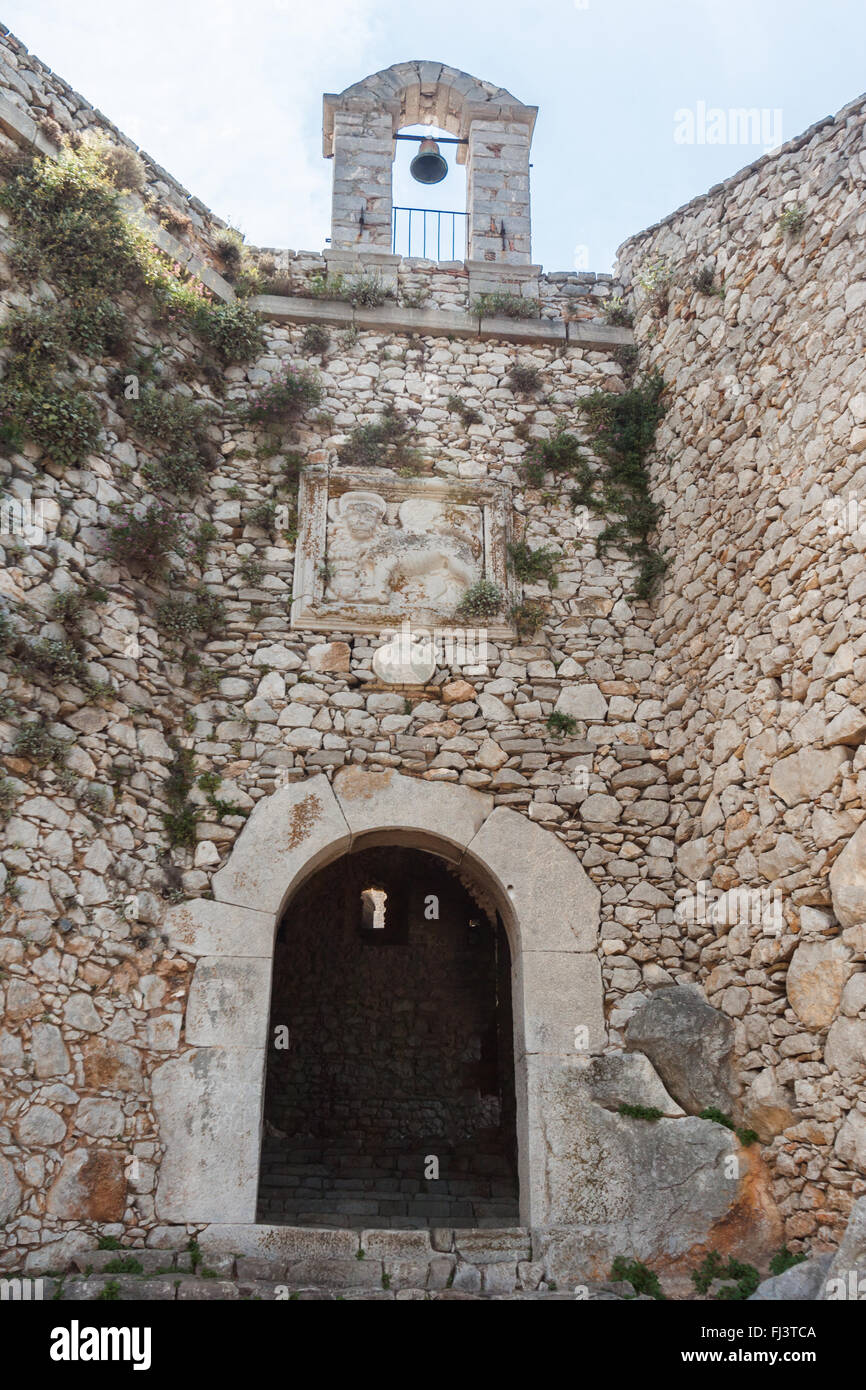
(139, 1288)
(337, 1185)
(284, 1262)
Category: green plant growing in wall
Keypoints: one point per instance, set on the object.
(315, 340)
(283, 400)
(468, 414)
(8, 796)
(528, 616)
(180, 617)
(640, 1112)
(704, 280)
(142, 537)
(385, 442)
(61, 419)
(745, 1278)
(503, 305)
(33, 741)
(69, 228)
(791, 222)
(483, 599)
(251, 570)
(718, 1117)
(229, 246)
(623, 426)
(640, 1276)
(560, 724)
(783, 1260)
(534, 566)
(124, 1264)
(562, 454)
(180, 821)
(616, 313)
(367, 290)
(415, 299)
(176, 426)
(262, 514)
(656, 280)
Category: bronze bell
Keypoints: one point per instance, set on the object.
(428, 166)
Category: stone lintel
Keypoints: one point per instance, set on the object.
(394, 318)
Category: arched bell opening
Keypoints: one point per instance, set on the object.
(429, 194)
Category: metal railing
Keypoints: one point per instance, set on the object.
(414, 239)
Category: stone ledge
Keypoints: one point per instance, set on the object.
(440, 322)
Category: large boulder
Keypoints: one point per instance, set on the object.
(690, 1044)
(805, 775)
(662, 1191)
(802, 1281)
(850, 1143)
(845, 1049)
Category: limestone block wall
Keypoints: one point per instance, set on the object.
(760, 637)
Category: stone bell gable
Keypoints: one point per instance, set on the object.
(358, 134)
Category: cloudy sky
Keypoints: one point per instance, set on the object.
(226, 94)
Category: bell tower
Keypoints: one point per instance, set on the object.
(494, 132)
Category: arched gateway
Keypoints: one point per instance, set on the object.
(209, 1101)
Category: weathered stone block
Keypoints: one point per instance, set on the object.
(228, 1002)
(288, 835)
(203, 927)
(208, 1106)
(541, 883)
(407, 809)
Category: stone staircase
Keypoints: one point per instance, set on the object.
(337, 1186)
(305, 1263)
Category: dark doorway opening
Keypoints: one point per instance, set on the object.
(389, 1096)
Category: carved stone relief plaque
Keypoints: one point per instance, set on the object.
(375, 549)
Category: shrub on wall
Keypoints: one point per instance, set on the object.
(509, 306)
(524, 378)
(285, 398)
(624, 426)
(175, 425)
(180, 617)
(534, 566)
(367, 290)
(483, 599)
(70, 228)
(383, 442)
(315, 340)
(562, 454)
(63, 422)
(141, 537)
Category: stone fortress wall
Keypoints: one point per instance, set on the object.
(760, 635)
(685, 763)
